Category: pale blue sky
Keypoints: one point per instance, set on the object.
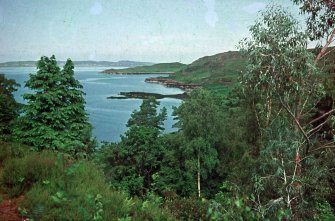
(141, 30)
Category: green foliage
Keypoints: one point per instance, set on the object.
(20, 174)
(321, 17)
(230, 204)
(147, 115)
(12, 150)
(200, 122)
(131, 164)
(281, 72)
(55, 117)
(174, 175)
(9, 108)
(191, 208)
(283, 85)
(59, 188)
(324, 211)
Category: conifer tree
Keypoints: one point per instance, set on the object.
(138, 156)
(55, 116)
(9, 108)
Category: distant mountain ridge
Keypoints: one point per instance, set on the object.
(163, 68)
(88, 63)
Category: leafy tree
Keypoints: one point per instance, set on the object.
(132, 163)
(320, 23)
(9, 108)
(55, 116)
(199, 121)
(282, 80)
(174, 175)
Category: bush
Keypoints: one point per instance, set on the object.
(78, 191)
(187, 208)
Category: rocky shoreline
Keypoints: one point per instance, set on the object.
(146, 95)
(133, 73)
(172, 83)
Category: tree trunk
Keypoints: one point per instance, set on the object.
(199, 191)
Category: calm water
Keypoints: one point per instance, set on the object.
(108, 116)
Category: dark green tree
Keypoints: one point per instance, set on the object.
(147, 115)
(9, 108)
(132, 162)
(55, 116)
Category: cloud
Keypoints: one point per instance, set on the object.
(96, 9)
(253, 8)
(211, 15)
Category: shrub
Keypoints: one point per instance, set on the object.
(187, 208)
(78, 191)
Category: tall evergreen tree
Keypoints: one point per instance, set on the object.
(55, 116)
(147, 116)
(135, 160)
(9, 108)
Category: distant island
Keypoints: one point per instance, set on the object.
(123, 63)
(146, 95)
(161, 68)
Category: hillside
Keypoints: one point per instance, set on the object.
(80, 63)
(167, 68)
(219, 72)
(213, 72)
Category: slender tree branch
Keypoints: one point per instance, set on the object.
(324, 48)
(298, 124)
(322, 116)
(323, 147)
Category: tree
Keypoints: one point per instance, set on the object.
(133, 162)
(320, 23)
(282, 80)
(55, 116)
(199, 121)
(9, 108)
(147, 116)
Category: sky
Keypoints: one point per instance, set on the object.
(113, 30)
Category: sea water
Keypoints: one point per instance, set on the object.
(108, 116)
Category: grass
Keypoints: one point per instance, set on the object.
(57, 187)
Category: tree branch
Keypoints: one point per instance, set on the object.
(324, 48)
(298, 124)
(322, 116)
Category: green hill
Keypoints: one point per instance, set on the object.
(221, 71)
(216, 72)
(156, 68)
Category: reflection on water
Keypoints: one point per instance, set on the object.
(109, 117)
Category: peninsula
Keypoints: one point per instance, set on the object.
(161, 68)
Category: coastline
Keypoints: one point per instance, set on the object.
(146, 95)
(167, 82)
(134, 73)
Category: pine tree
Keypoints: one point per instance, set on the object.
(147, 116)
(55, 116)
(9, 108)
(138, 156)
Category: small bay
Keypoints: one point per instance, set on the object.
(108, 116)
